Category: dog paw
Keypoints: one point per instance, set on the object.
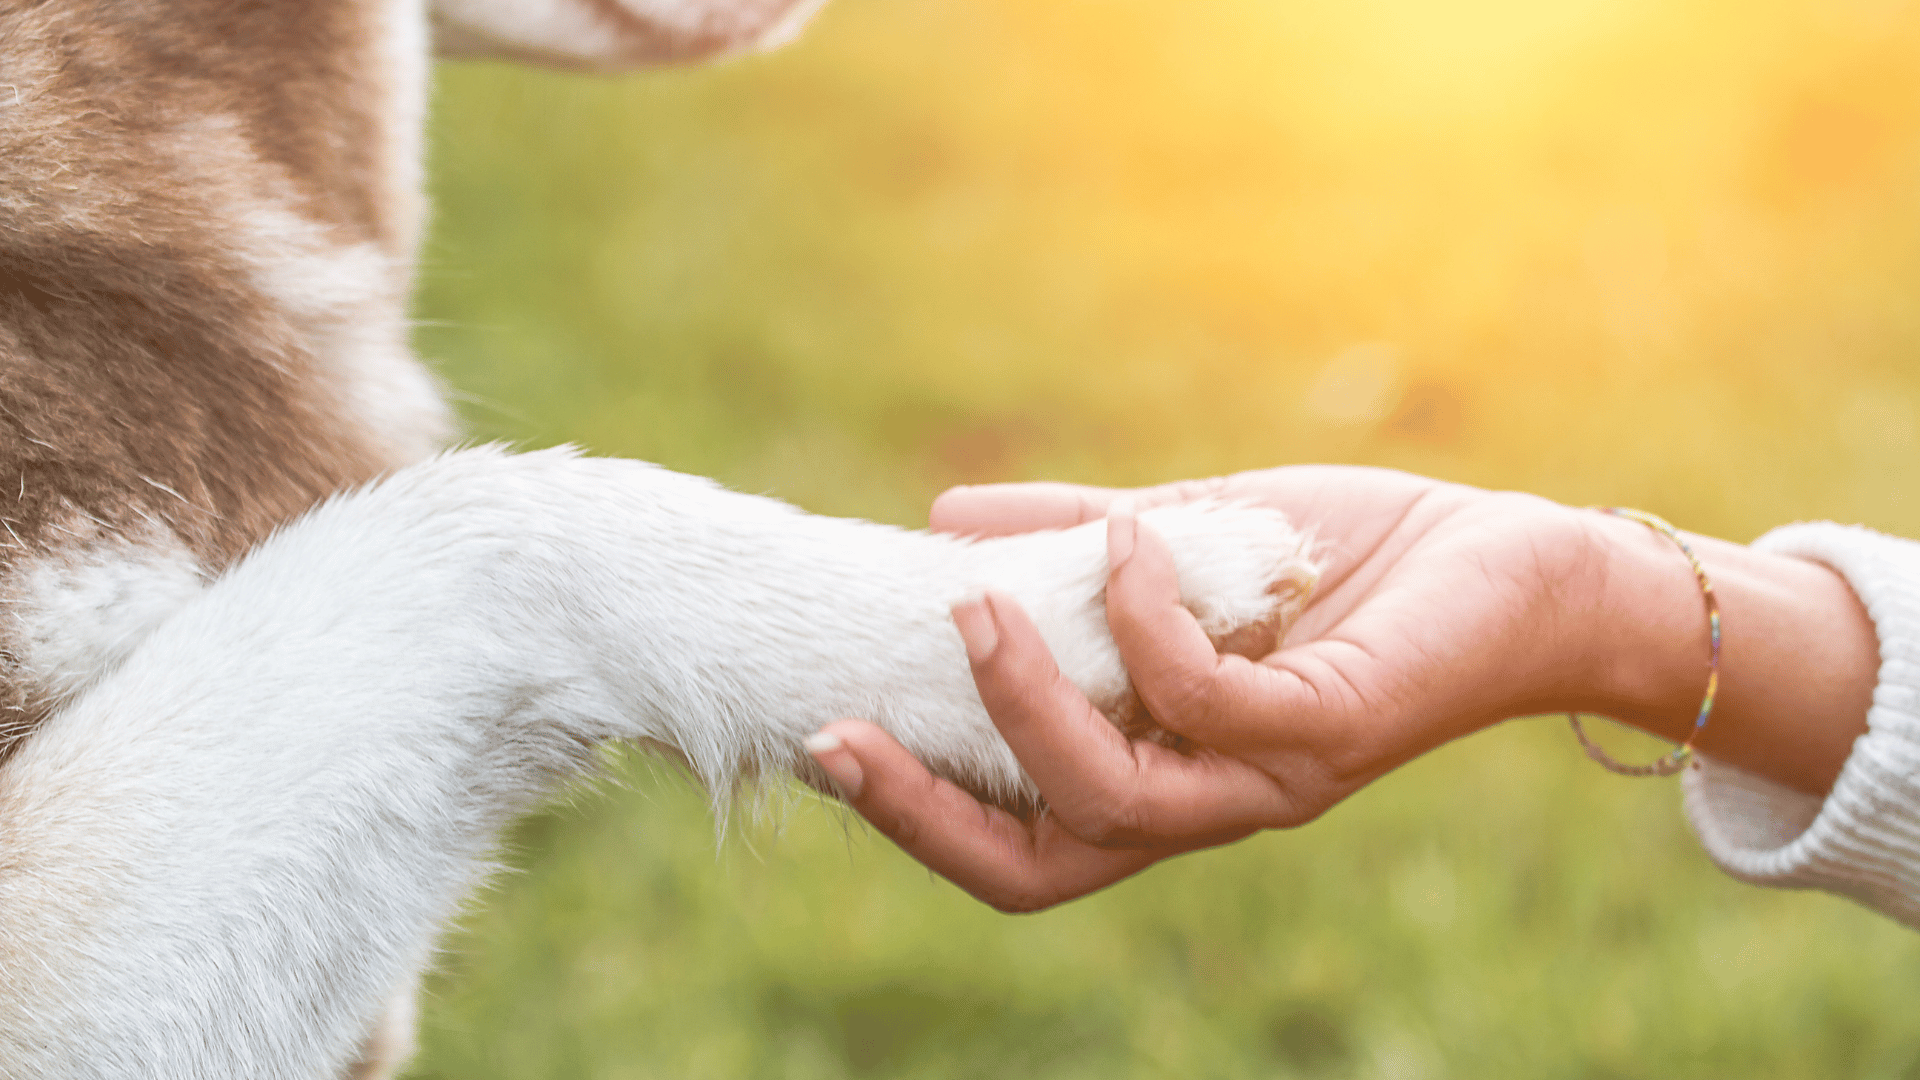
(1245, 573)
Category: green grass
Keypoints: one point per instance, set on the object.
(1640, 253)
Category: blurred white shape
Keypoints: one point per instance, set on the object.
(1358, 386)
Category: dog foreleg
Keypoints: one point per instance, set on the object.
(221, 859)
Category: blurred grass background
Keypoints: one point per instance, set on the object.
(1654, 253)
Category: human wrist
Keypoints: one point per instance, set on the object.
(1798, 664)
(1643, 642)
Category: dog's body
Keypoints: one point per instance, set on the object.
(254, 752)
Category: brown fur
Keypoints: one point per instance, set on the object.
(144, 383)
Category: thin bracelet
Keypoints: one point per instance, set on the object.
(1681, 755)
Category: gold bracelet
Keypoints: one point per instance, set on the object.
(1681, 755)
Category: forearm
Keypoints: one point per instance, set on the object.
(1443, 610)
(1798, 663)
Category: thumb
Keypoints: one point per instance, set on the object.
(1005, 509)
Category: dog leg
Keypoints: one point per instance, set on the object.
(220, 860)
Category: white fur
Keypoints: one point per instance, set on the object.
(227, 854)
(404, 54)
(81, 613)
(345, 303)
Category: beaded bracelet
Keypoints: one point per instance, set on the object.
(1681, 755)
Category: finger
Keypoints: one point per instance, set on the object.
(1227, 701)
(1102, 788)
(993, 855)
(1004, 509)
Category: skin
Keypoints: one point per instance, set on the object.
(1444, 610)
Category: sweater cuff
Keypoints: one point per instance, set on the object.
(1863, 839)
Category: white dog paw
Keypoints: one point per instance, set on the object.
(1245, 573)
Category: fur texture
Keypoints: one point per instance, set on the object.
(222, 858)
(272, 673)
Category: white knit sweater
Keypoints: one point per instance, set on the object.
(1863, 839)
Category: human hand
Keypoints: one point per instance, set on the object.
(1442, 609)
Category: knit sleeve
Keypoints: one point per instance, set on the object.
(1863, 839)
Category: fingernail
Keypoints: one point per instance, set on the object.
(1122, 526)
(975, 624)
(843, 768)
